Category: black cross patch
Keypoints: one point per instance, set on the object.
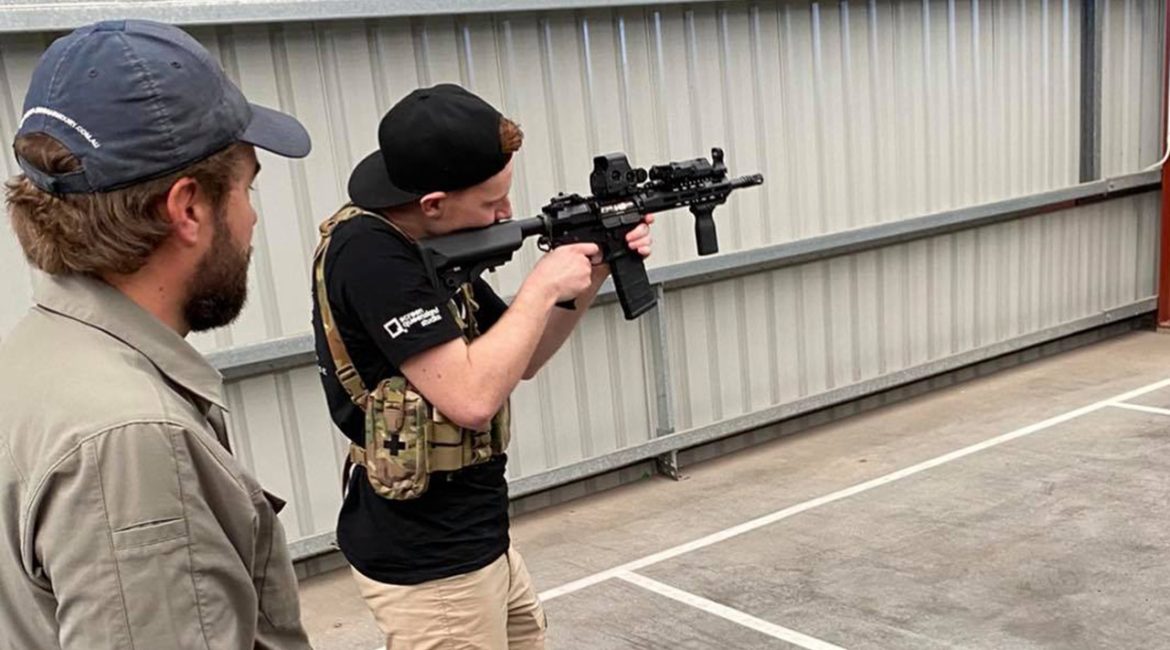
(394, 444)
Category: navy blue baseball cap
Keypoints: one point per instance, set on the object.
(135, 100)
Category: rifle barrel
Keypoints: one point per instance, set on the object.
(747, 181)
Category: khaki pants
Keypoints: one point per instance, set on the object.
(490, 609)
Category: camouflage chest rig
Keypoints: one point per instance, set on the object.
(406, 438)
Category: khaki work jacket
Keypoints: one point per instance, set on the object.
(125, 522)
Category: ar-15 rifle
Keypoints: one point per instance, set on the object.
(621, 197)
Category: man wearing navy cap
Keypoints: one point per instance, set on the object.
(433, 557)
(125, 522)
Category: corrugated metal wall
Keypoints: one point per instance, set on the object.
(856, 112)
(742, 345)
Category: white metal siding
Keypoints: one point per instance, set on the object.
(1132, 98)
(856, 112)
(742, 345)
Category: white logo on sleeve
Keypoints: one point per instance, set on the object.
(398, 326)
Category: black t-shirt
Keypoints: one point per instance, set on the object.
(387, 311)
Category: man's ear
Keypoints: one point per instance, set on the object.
(185, 207)
(432, 204)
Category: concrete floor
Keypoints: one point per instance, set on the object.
(919, 525)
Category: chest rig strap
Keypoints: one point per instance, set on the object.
(346, 373)
(397, 416)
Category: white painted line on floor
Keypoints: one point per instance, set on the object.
(729, 613)
(1141, 407)
(779, 515)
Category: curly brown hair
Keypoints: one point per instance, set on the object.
(104, 232)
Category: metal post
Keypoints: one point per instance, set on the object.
(1164, 255)
(667, 463)
(1091, 35)
(1164, 251)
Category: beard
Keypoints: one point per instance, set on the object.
(218, 290)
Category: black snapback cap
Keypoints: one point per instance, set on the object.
(442, 138)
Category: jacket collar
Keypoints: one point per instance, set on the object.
(95, 303)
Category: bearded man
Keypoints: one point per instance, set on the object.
(125, 522)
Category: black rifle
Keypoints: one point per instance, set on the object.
(622, 196)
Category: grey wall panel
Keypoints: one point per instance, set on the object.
(1132, 135)
(594, 396)
(857, 113)
(811, 328)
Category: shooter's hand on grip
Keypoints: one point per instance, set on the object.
(565, 272)
(634, 244)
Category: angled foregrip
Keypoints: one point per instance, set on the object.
(632, 284)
